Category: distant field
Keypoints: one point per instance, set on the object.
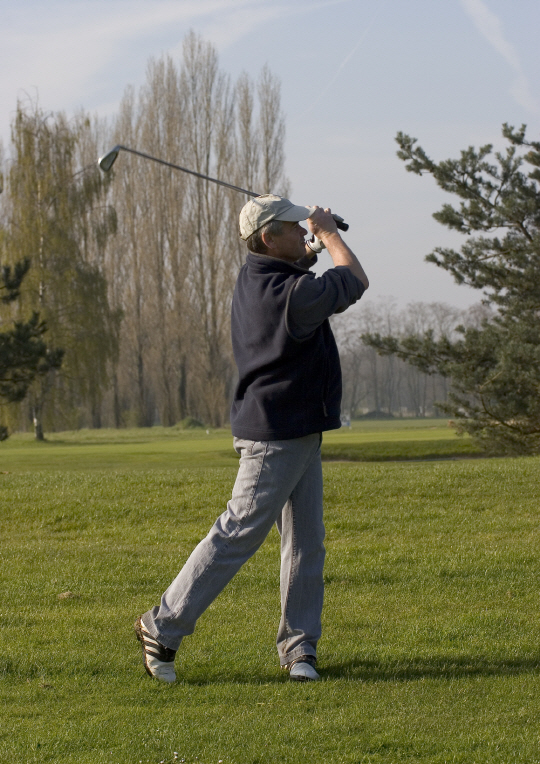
(169, 448)
(430, 650)
(397, 440)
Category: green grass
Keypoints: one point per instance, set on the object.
(430, 648)
(170, 448)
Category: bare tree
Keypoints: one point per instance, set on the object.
(272, 134)
(127, 267)
(177, 250)
(386, 385)
(163, 197)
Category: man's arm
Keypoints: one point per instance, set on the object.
(322, 224)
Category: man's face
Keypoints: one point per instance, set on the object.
(290, 246)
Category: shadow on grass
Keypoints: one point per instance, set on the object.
(402, 450)
(443, 667)
(81, 443)
(392, 451)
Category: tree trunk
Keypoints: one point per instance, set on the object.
(96, 414)
(116, 403)
(182, 390)
(38, 422)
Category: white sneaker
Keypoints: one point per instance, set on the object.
(303, 669)
(158, 660)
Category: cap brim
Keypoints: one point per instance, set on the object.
(294, 214)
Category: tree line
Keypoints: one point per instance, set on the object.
(379, 386)
(115, 288)
(132, 272)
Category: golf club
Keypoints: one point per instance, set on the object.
(107, 160)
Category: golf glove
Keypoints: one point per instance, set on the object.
(315, 245)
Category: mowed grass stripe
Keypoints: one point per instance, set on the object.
(170, 448)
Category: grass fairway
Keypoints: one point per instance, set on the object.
(430, 649)
(169, 448)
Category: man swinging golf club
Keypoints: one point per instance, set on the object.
(288, 394)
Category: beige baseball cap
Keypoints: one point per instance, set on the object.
(262, 209)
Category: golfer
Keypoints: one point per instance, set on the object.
(288, 394)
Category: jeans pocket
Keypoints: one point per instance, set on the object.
(241, 444)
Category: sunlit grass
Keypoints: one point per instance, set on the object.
(430, 647)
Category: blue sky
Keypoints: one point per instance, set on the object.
(353, 73)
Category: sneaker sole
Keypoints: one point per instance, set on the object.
(138, 633)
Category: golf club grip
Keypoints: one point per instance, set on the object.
(341, 224)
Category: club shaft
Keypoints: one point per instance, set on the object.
(107, 161)
(190, 172)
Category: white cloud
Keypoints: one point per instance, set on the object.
(490, 26)
(75, 53)
(236, 23)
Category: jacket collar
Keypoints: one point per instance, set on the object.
(265, 263)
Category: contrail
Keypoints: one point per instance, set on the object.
(490, 27)
(346, 59)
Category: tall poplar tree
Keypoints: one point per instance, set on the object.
(177, 250)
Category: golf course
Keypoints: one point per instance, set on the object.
(431, 627)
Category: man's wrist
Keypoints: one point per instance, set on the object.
(329, 236)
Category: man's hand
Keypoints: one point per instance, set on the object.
(323, 226)
(321, 223)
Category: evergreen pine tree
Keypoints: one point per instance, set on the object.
(494, 368)
(24, 354)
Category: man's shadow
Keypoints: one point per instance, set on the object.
(359, 670)
(441, 667)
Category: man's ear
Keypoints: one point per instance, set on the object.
(268, 240)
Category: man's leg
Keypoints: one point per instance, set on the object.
(267, 476)
(302, 560)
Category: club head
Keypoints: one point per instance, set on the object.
(107, 160)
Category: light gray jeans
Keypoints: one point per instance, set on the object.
(278, 481)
